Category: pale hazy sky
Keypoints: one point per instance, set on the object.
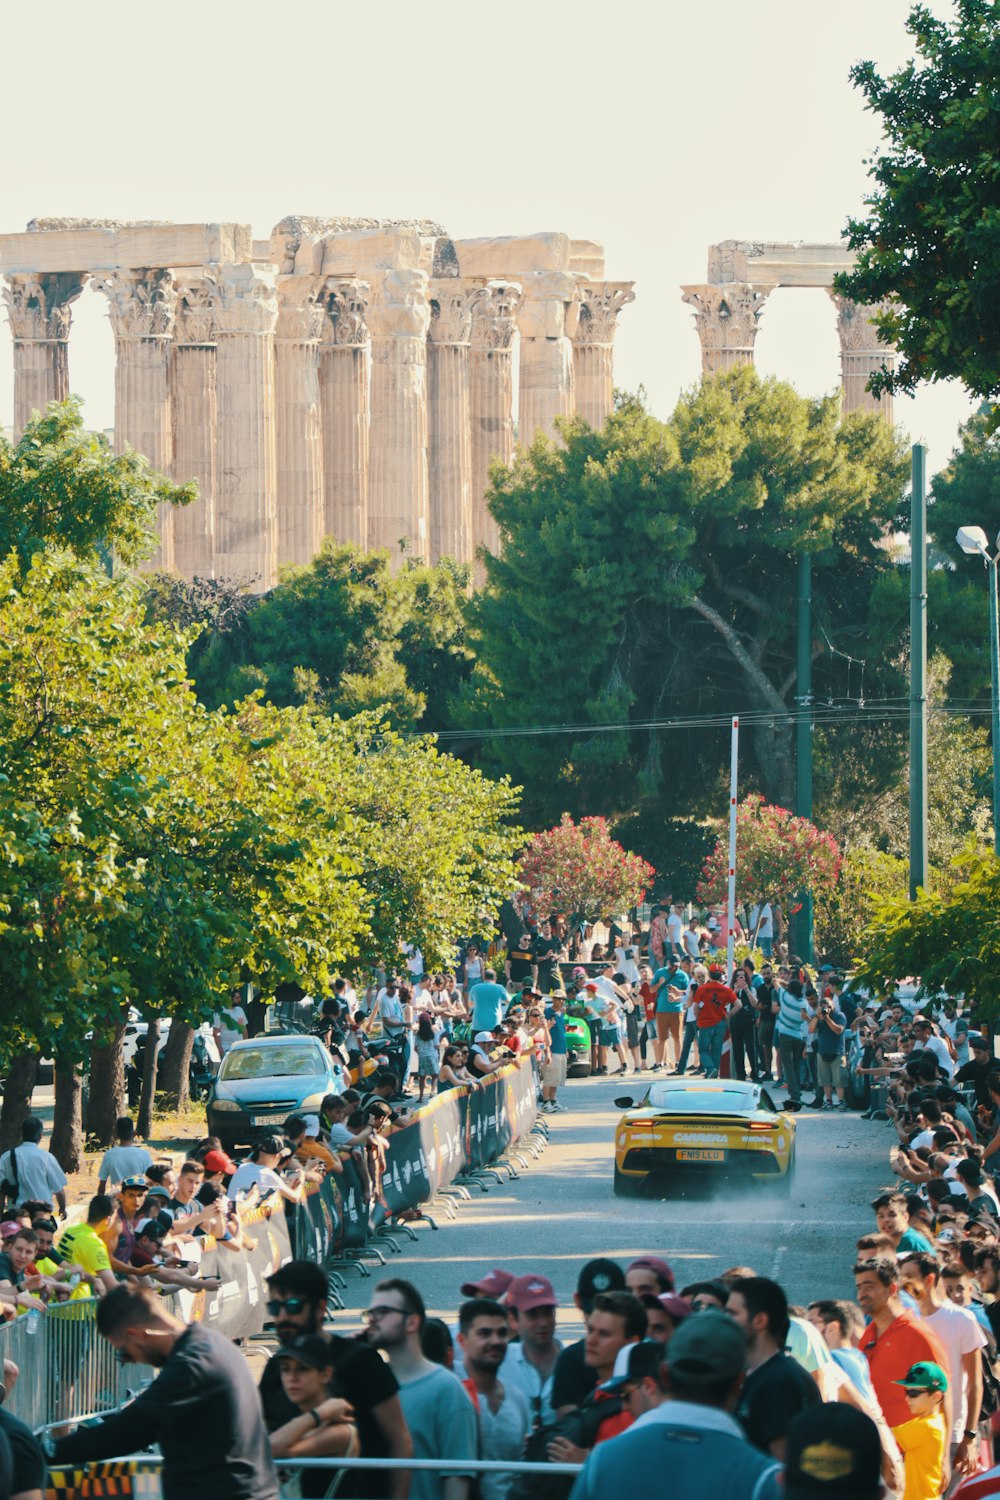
(657, 129)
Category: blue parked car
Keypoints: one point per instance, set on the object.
(262, 1081)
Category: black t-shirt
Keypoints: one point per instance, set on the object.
(22, 1463)
(572, 1379)
(521, 960)
(772, 1396)
(978, 1074)
(202, 1410)
(546, 954)
(361, 1376)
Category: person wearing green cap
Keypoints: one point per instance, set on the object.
(922, 1439)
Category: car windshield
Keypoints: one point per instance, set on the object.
(271, 1062)
(705, 1100)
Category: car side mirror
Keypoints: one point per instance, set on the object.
(625, 1102)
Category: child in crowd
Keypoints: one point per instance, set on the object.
(921, 1440)
(428, 1054)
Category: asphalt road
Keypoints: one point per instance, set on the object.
(562, 1212)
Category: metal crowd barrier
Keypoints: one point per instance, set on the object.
(66, 1371)
(146, 1465)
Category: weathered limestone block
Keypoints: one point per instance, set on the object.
(546, 319)
(593, 354)
(246, 532)
(586, 257)
(491, 400)
(513, 256)
(195, 423)
(726, 318)
(770, 264)
(38, 310)
(398, 318)
(297, 417)
(453, 302)
(141, 308)
(131, 246)
(343, 395)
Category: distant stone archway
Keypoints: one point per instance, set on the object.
(741, 276)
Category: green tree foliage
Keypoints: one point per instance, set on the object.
(950, 937)
(930, 237)
(868, 878)
(342, 633)
(62, 486)
(648, 570)
(777, 856)
(580, 869)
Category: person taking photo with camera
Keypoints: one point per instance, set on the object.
(829, 1025)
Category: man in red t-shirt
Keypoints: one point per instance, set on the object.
(895, 1339)
(713, 1001)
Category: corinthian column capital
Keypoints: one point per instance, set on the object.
(600, 304)
(194, 319)
(300, 312)
(855, 327)
(726, 318)
(494, 316)
(453, 303)
(141, 304)
(346, 307)
(399, 308)
(38, 306)
(245, 298)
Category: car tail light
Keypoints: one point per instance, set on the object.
(642, 1124)
(761, 1125)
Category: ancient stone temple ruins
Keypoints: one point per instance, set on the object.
(350, 378)
(741, 275)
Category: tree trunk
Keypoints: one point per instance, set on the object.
(106, 1100)
(17, 1098)
(144, 1123)
(175, 1072)
(773, 752)
(66, 1141)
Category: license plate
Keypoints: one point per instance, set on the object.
(268, 1119)
(701, 1156)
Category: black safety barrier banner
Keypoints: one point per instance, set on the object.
(424, 1153)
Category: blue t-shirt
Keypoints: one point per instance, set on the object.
(489, 1002)
(830, 1043)
(557, 1033)
(671, 977)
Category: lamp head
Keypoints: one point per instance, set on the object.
(972, 540)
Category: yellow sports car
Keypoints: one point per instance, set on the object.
(720, 1125)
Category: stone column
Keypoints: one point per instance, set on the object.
(38, 310)
(343, 401)
(299, 444)
(593, 341)
(398, 317)
(861, 355)
(195, 422)
(246, 517)
(547, 321)
(491, 404)
(726, 319)
(449, 436)
(141, 307)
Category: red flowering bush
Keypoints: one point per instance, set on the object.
(578, 867)
(777, 856)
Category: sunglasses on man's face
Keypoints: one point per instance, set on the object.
(285, 1304)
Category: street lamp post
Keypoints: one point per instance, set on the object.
(972, 540)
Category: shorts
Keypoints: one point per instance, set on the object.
(610, 1036)
(829, 1072)
(554, 1072)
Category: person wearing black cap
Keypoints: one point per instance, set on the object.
(261, 1170)
(833, 1452)
(978, 1069)
(322, 1424)
(573, 1380)
(688, 1443)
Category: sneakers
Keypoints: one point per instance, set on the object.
(842, 1106)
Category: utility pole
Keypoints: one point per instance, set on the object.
(734, 762)
(918, 670)
(803, 740)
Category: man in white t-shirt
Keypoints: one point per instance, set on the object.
(230, 1025)
(963, 1339)
(674, 929)
(124, 1158)
(762, 922)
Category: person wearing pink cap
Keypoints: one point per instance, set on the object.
(530, 1363)
(492, 1285)
(649, 1274)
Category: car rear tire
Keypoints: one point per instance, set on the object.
(787, 1184)
(627, 1187)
